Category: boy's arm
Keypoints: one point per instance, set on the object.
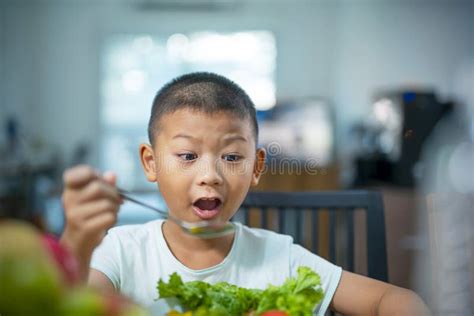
(359, 295)
(90, 203)
(99, 281)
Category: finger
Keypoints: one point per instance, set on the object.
(98, 189)
(101, 222)
(110, 177)
(79, 215)
(79, 176)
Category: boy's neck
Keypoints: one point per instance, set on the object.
(196, 253)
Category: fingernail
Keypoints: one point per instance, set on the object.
(108, 173)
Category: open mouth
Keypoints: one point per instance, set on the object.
(207, 208)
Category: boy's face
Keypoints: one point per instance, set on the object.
(204, 163)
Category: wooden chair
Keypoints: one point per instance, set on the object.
(324, 222)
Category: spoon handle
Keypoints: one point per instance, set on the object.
(125, 194)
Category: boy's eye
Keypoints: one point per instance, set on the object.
(188, 156)
(232, 157)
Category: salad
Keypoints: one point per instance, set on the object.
(295, 297)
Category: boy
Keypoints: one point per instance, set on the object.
(203, 155)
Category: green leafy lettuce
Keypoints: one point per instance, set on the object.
(296, 296)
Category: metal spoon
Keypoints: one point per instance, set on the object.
(202, 229)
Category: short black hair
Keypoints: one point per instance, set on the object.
(202, 91)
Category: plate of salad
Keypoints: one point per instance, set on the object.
(295, 297)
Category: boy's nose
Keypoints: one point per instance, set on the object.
(210, 175)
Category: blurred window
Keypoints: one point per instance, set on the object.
(135, 67)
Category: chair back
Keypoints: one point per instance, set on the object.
(324, 223)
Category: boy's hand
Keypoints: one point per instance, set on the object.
(91, 202)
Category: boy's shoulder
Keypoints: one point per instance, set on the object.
(256, 236)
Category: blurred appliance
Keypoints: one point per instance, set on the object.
(391, 142)
(27, 170)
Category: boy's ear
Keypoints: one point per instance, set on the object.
(149, 163)
(259, 166)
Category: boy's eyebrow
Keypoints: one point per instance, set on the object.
(232, 138)
(183, 136)
(227, 139)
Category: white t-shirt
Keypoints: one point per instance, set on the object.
(135, 257)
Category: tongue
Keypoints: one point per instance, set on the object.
(207, 204)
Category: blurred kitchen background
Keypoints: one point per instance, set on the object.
(371, 94)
